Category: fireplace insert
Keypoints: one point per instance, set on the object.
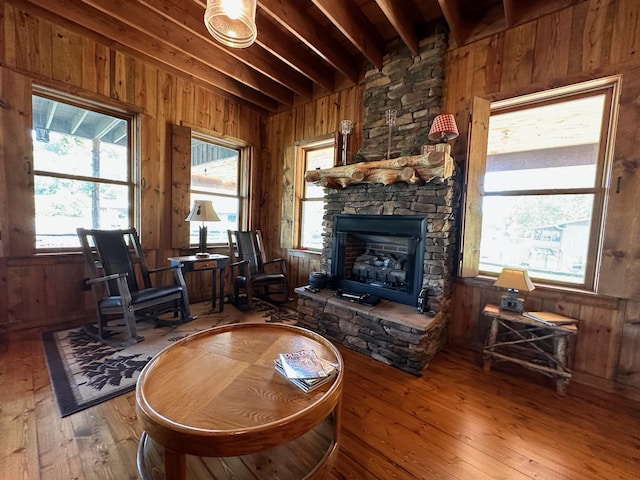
(380, 255)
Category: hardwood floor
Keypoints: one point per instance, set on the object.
(455, 422)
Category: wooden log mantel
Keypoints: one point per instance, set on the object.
(410, 169)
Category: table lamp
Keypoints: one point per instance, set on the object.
(203, 211)
(443, 128)
(514, 280)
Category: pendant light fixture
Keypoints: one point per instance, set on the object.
(232, 22)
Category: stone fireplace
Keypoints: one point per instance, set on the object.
(392, 331)
(381, 256)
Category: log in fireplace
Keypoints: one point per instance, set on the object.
(379, 255)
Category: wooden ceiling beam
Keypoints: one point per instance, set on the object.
(78, 13)
(508, 7)
(355, 26)
(291, 15)
(400, 22)
(189, 15)
(453, 15)
(162, 30)
(271, 38)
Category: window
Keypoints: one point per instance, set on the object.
(82, 169)
(310, 206)
(545, 181)
(218, 173)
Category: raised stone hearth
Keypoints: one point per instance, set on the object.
(389, 332)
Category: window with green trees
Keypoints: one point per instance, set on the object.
(219, 173)
(82, 169)
(545, 184)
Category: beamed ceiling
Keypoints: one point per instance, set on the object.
(304, 47)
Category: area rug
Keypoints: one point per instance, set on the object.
(85, 372)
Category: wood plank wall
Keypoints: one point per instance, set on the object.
(35, 47)
(592, 39)
(313, 120)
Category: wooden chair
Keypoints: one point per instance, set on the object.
(252, 272)
(115, 264)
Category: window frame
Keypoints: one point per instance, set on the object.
(302, 149)
(132, 173)
(244, 156)
(476, 167)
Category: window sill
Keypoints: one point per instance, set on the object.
(303, 252)
(543, 290)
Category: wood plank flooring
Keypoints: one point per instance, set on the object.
(454, 423)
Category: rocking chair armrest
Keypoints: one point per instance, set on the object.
(107, 278)
(280, 261)
(239, 263)
(275, 260)
(244, 268)
(164, 269)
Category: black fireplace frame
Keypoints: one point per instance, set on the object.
(412, 227)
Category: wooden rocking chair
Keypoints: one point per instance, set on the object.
(253, 273)
(115, 264)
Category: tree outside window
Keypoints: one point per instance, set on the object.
(544, 185)
(310, 211)
(218, 173)
(82, 170)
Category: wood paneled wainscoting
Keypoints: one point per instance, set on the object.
(300, 263)
(454, 423)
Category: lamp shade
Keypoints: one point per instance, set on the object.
(232, 22)
(443, 128)
(203, 211)
(514, 279)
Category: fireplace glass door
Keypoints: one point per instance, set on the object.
(379, 255)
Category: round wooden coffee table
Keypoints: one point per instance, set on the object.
(213, 406)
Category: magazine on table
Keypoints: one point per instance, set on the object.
(302, 364)
(550, 318)
(305, 369)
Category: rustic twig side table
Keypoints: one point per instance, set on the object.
(532, 344)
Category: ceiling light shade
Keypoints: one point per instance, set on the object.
(443, 128)
(232, 22)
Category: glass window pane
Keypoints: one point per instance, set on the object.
(313, 191)
(546, 234)
(553, 146)
(62, 205)
(228, 210)
(320, 158)
(75, 141)
(311, 225)
(214, 168)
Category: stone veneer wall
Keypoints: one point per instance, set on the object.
(412, 86)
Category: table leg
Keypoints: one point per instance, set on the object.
(221, 273)
(213, 289)
(491, 340)
(560, 346)
(175, 467)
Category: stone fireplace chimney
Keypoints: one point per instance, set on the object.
(395, 333)
(410, 85)
(413, 86)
